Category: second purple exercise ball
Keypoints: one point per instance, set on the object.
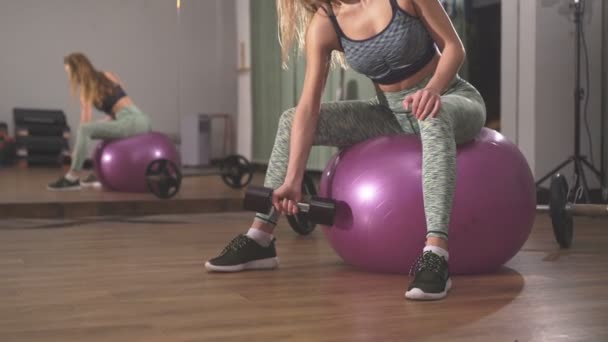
(380, 221)
(121, 164)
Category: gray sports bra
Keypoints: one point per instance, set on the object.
(396, 53)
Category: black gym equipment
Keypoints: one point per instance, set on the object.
(300, 222)
(46, 117)
(558, 202)
(236, 171)
(562, 211)
(319, 210)
(7, 148)
(41, 136)
(41, 150)
(164, 178)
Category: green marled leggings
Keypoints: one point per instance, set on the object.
(345, 123)
(129, 121)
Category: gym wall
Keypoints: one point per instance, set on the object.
(145, 42)
(537, 87)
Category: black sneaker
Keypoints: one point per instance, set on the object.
(90, 182)
(244, 253)
(431, 278)
(63, 184)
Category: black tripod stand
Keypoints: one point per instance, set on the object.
(580, 161)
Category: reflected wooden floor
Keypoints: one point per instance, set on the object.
(23, 194)
(141, 279)
(29, 185)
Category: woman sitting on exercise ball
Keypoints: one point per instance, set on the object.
(412, 53)
(104, 91)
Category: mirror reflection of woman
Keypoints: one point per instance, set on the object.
(104, 91)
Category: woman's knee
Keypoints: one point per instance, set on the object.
(85, 129)
(441, 125)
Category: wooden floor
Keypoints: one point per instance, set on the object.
(142, 280)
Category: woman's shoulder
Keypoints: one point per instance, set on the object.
(112, 77)
(321, 29)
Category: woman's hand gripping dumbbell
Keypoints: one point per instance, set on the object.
(319, 210)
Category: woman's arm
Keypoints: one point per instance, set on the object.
(114, 78)
(319, 44)
(452, 51)
(320, 41)
(427, 101)
(85, 110)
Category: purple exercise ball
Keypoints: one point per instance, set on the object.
(121, 164)
(380, 222)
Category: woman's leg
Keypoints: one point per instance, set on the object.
(86, 132)
(460, 119)
(340, 124)
(94, 130)
(129, 121)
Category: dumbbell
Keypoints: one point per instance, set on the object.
(319, 210)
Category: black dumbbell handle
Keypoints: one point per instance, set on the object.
(259, 199)
(591, 210)
(263, 192)
(303, 207)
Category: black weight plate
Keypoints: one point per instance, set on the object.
(561, 219)
(322, 210)
(236, 171)
(300, 222)
(163, 178)
(258, 199)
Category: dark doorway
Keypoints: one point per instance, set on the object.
(483, 51)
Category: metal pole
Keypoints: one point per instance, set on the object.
(604, 94)
(577, 81)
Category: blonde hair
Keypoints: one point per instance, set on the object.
(294, 17)
(94, 86)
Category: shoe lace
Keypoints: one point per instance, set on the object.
(236, 244)
(428, 261)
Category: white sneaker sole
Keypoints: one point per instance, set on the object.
(72, 188)
(418, 294)
(261, 264)
(94, 185)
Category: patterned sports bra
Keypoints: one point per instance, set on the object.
(400, 50)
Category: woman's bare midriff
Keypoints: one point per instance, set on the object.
(411, 81)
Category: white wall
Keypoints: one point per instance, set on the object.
(509, 75)
(140, 40)
(538, 79)
(245, 116)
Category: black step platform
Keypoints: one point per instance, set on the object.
(42, 136)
